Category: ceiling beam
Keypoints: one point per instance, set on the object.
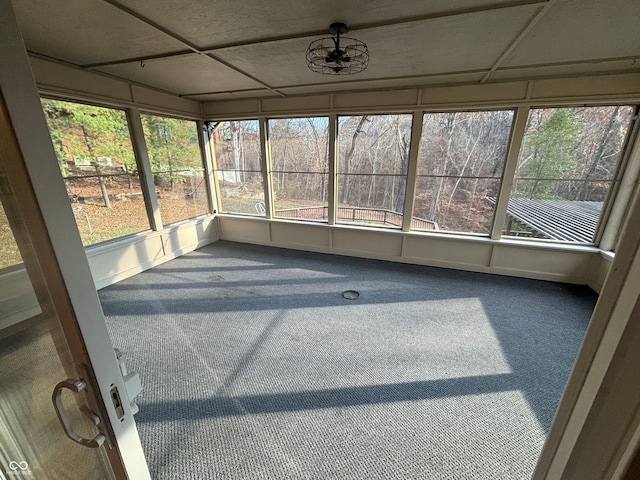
(384, 23)
(516, 41)
(145, 58)
(48, 58)
(193, 48)
(419, 80)
(313, 33)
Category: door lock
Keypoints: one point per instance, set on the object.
(117, 402)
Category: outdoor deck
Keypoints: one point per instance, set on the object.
(568, 220)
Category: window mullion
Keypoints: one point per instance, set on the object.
(207, 154)
(513, 151)
(144, 167)
(621, 192)
(412, 169)
(333, 169)
(265, 146)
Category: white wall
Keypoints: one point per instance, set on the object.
(539, 260)
(599, 269)
(111, 262)
(114, 261)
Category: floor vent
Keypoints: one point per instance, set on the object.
(350, 294)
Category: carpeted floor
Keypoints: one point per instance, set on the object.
(255, 367)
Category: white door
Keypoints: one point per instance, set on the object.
(64, 410)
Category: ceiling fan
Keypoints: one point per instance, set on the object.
(327, 56)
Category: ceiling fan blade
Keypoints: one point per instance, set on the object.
(350, 51)
(358, 58)
(320, 52)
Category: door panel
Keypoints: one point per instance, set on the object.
(34, 357)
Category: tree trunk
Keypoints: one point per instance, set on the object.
(582, 190)
(462, 172)
(347, 159)
(404, 155)
(451, 125)
(94, 161)
(103, 188)
(126, 170)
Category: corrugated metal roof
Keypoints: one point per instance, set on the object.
(569, 220)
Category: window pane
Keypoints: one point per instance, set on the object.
(375, 193)
(238, 164)
(300, 166)
(567, 165)
(177, 169)
(372, 168)
(460, 164)
(458, 204)
(97, 163)
(301, 200)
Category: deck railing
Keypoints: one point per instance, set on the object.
(356, 215)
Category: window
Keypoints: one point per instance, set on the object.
(300, 167)
(459, 168)
(567, 165)
(238, 165)
(99, 169)
(372, 168)
(176, 164)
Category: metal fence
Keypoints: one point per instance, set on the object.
(376, 216)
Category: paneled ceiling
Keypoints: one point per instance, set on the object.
(210, 50)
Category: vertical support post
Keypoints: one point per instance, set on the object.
(333, 169)
(207, 152)
(412, 171)
(265, 145)
(144, 168)
(513, 150)
(617, 203)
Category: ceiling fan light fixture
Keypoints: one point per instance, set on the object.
(337, 55)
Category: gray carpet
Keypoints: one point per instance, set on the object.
(255, 367)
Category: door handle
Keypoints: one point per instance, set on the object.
(75, 386)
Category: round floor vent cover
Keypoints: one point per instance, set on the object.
(350, 294)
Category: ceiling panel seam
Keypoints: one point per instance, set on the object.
(378, 79)
(185, 42)
(218, 92)
(633, 59)
(144, 58)
(346, 82)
